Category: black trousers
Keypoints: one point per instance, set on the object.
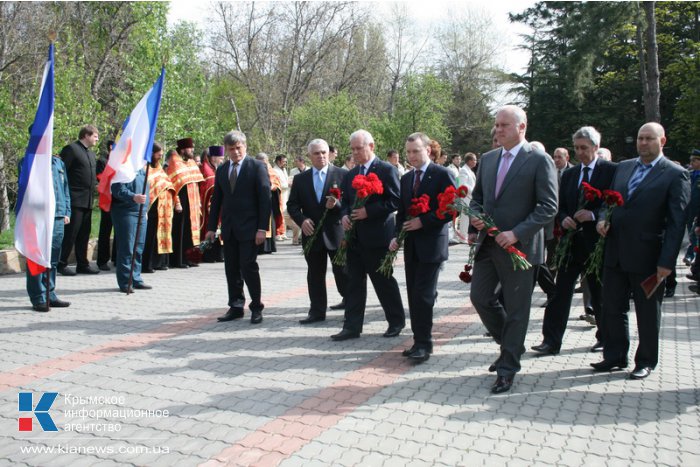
(182, 231)
(363, 262)
(421, 284)
(104, 254)
(617, 285)
(77, 233)
(556, 315)
(241, 265)
(317, 262)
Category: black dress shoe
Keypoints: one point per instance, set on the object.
(256, 317)
(694, 288)
(339, 306)
(545, 349)
(393, 331)
(41, 307)
(344, 335)
(640, 372)
(420, 355)
(66, 271)
(181, 266)
(408, 352)
(692, 277)
(104, 267)
(86, 270)
(161, 268)
(312, 319)
(231, 314)
(59, 303)
(142, 286)
(597, 347)
(502, 384)
(670, 292)
(125, 290)
(147, 271)
(606, 365)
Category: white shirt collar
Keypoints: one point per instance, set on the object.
(514, 150)
(654, 162)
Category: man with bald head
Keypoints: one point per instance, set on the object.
(517, 186)
(643, 239)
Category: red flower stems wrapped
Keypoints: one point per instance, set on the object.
(562, 254)
(419, 206)
(335, 193)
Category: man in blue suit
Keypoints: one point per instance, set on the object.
(242, 199)
(426, 244)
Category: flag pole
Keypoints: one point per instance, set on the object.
(52, 38)
(138, 232)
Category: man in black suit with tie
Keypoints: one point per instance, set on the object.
(426, 244)
(81, 167)
(580, 218)
(643, 240)
(374, 229)
(242, 198)
(307, 202)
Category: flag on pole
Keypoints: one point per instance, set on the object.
(36, 202)
(134, 144)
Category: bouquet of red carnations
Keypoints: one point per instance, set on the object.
(365, 186)
(419, 206)
(612, 199)
(587, 195)
(452, 202)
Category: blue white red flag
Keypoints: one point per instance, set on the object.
(36, 202)
(134, 145)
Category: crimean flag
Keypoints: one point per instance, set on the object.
(133, 147)
(36, 202)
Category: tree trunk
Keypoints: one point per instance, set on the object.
(4, 200)
(652, 93)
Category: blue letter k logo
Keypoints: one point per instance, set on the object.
(42, 408)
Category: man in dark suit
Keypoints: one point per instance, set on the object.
(643, 239)
(517, 186)
(81, 169)
(426, 244)
(307, 202)
(242, 199)
(374, 228)
(580, 218)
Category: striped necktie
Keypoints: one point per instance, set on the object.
(637, 178)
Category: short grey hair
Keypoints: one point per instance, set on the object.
(365, 135)
(261, 156)
(418, 136)
(538, 145)
(589, 133)
(317, 142)
(234, 137)
(520, 115)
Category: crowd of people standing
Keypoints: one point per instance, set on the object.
(231, 207)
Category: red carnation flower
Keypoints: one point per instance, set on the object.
(462, 191)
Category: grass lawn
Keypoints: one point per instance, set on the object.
(7, 238)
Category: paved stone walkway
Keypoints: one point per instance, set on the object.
(154, 379)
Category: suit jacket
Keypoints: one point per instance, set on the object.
(248, 208)
(378, 229)
(82, 177)
(647, 230)
(569, 194)
(302, 205)
(527, 201)
(429, 244)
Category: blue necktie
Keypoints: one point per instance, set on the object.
(362, 170)
(318, 185)
(637, 178)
